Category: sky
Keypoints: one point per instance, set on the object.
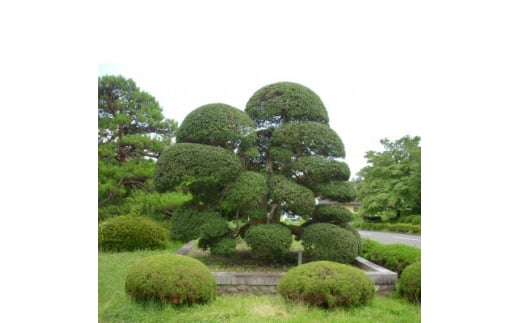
(364, 63)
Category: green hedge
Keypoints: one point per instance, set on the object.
(127, 233)
(395, 257)
(393, 227)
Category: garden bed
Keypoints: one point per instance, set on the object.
(248, 275)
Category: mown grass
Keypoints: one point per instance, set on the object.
(115, 306)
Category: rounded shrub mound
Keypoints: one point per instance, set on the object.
(327, 284)
(409, 285)
(325, 241)
(127, 233)
(217, 124)
(171, 278)
(288, 100)
(269, 240)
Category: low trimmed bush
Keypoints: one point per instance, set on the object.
(409, 285)
(269, 240)
(127, 233)
(325, 241)
(326, 284)
(171, 278)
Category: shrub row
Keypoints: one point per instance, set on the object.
(393, 227)
(395, 257)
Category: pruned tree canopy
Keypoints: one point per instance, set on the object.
(202, 170)
(218, 124)
(285, 102)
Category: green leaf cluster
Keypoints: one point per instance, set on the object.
(128, 233)
(171, 279)
(269, 240)
(327, 284)
(326, 241)
(202, 170)
(285, 102)
(392, 180)
(409, 285)
(132, 131)
(218, 124)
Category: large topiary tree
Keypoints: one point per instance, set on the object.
(281, 166)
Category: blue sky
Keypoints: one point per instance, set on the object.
(363, 62)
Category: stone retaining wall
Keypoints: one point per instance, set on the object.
(265, 283)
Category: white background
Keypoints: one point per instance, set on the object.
(445, 70)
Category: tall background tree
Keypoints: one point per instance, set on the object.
(252, 166)
(132, 132)
(391, 183)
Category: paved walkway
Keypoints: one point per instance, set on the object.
(392, 237)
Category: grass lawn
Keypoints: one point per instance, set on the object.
(115, 306)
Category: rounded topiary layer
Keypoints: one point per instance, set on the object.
(171, 278)
(127, 233)
(269, 240)
(285, 101)
(217, 124)
(325, 241)
(327, 284)
(409, 284)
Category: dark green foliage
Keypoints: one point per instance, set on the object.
(131, 127)
(272, 240)
(359, 239)
(224, 247)
(369, 247)
(200, 169)
(410, 219)
(127, 233)
(293, 197)
(218, 124)
(395, 257)
(327, 284)
(337, 215)
(186, 223)
(340, 191)
(171, 278)
(285, 102)
(372, 218)
(305, 139)
(397, 227)
(247, 193)
(312, 170)
(158, 206)
(215, 229)
(325, 241)
(409, 285)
